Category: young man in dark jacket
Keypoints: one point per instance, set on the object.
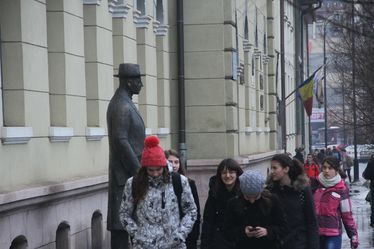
(368, 174)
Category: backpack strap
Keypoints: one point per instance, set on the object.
(178, 189)
(133, 194)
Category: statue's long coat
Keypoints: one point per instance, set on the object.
(126, 135)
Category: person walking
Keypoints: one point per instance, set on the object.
(299, 154)
(321, 155)
(223, 186)
(150, 207)
(336, 153)
(368, 174)
(311, 167)
(333, 207)
(173, 157)
(288, 181)
(255, 219)
(347, 163)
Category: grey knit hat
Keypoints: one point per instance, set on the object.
(252, 182)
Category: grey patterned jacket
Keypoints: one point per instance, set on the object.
(154, 227)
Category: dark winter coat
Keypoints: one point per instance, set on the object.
(299, 156)
(297, 201)
(213, 218)
(264, 212)
(368, 173)
(193, 236)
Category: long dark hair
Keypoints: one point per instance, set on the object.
(141, 183)
(335, 164)
(175, 153)
(295, 166)
(267, 203)
(227, 164)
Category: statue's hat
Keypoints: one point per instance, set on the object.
(128, 70)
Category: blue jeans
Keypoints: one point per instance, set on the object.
(330, 242)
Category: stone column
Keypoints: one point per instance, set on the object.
(98, 44)
(146, 55)
(25, 84)
(272, 91)
(66, 69)
(163, 80)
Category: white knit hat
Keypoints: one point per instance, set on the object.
(252, 182)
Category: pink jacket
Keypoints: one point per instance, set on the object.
(332, 207)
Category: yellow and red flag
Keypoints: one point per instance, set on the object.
(305, 92)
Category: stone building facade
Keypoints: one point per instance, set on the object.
(57, 60)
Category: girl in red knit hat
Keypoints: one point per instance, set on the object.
(149, 210)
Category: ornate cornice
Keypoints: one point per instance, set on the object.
(141, 21)
(119, 10)
(92, 2)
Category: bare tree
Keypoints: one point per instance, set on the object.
(361, 34)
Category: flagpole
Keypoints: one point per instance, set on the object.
(324, 80)
(310, 134)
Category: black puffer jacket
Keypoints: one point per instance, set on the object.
(213, 219)
(368, 173)
(298, 204)
(264, 212)
(193, 236)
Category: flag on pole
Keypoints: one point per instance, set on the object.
(305, 92)
(318, 87)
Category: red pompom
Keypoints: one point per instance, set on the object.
(151, 141)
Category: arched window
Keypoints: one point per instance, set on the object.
(160, 11)
(256, 30)
(265, 38)
(265, 49)
(140, 5)
(97, 230)
(19, 242)
(246, 36)
(63, 236)
(253, 65)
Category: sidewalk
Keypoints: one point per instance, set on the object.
(361, 213)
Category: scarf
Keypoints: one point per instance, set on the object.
(329, 182)
(155, 181)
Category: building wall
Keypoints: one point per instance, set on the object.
(58, 58)
(57, 63)
(237, 113)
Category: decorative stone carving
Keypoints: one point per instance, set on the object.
(16, 135)
(92, 2)
(162, 30)
(119, 9)
(60, 134)
(95, 133)
(141, 21)
(247, 45)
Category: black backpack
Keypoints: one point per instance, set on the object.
(177, 187)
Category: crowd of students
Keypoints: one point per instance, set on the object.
(295, 207)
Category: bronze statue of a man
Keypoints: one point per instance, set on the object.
(126, 135)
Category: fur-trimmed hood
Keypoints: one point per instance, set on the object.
(301, 182)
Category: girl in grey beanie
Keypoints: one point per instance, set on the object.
(254, 219)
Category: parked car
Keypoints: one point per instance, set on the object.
(364, 151)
